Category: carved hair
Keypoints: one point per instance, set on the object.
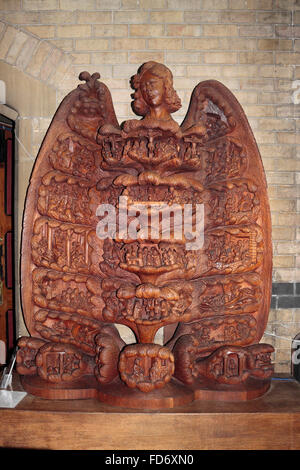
(172, 100)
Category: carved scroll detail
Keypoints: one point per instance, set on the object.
(146, 366)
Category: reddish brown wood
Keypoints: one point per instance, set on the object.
(269, 422)
(76, 284)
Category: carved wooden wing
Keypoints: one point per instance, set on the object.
(232, 281)
(60, 273)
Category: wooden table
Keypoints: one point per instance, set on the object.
(269, 422)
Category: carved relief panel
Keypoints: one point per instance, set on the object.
(146, 224)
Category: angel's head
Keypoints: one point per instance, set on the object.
(153, 85)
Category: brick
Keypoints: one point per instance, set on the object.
(43, 51)
(275, 98)
(185, 83)
(214, 4)
(10, 5)
(153, 4)
(26, 52)
(220, 30)
(130, 5)
(220, 57)
(274, 17)
(203, 71)
(259, 110)
(257, 31)
(296, 17)
(64, 44)
(182, 57)
(275, 44)
(287, 58)
(297, 45)
(109, 58)
(49, 65)
(107, 4)
(145, 56)
(110, 30)
(277, 124)
(275, 71)
(271, 151)
(58, 17)
(128, 44)
(279, 218)
(7, 40)
(94, 17)
(16, 47)
(117, 83)
(280, 177)
(166, 17)
(250, 4)
(76, 5)
(291, 247)
(283, 233)
(201, 17)
(91, 44)
(240, 70)
(40, 4)
(131, 17)
(74, 31)
(261, 83)
(44, 31)
(165, 43)
(287, 191)
(23, 17)
(237, 17)
(256, 57)
(289, 111)
(184, 5)
(288, 164)
(282, 205)
(201, 44)
(287, 4)
(238, 44)
(284, 84)
(247, 97)
(124, 71)
(81, 58)
(144, 30)
(183, 30)
(178, 70)
(297, 72)
(283, 262)
(287, 31)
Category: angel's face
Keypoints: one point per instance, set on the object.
(152, 89)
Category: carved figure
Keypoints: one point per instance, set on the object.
(114, 233)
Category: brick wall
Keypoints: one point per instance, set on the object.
(252, 46)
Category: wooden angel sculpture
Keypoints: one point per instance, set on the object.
(150, 225)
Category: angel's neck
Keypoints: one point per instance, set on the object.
(158, 113)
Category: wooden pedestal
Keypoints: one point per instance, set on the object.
(269, 422)
(172, 395)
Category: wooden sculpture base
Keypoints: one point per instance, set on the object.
(116, 393)
(206, 389)
(174, 394)
(171, 395)
(83, 388)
